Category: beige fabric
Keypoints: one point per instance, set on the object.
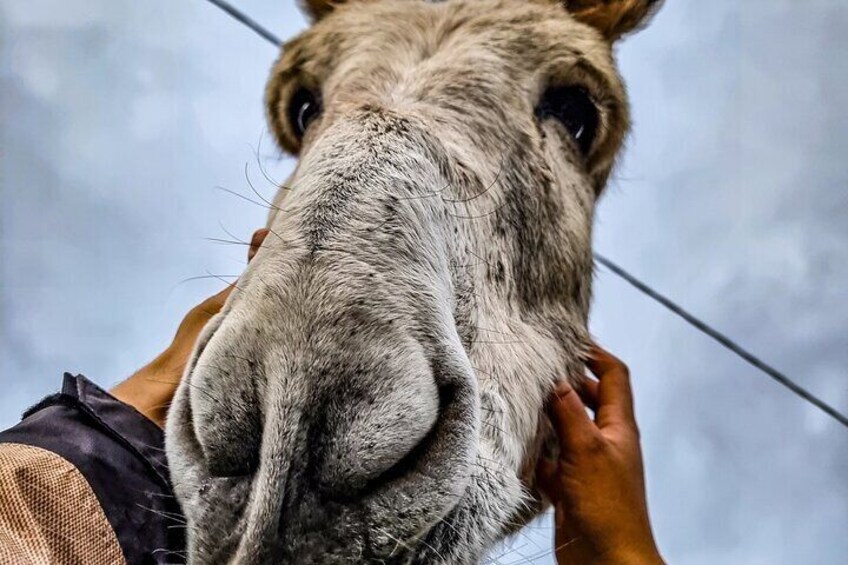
(48, 512)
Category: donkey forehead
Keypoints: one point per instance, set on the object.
(511, 39)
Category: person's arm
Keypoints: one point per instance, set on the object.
(150, 389)
(597, 484)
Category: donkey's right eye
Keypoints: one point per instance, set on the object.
(303, 109)
(573, 107)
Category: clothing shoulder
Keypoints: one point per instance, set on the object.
(83, 466)
(49, 513)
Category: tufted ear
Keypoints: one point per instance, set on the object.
(613, 18)
(317, 9)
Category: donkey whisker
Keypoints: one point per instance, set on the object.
(226, 241)
(271, 205)
(484, 191)
(431, 194)
(262, 170)
(478, 216)
(242, 196)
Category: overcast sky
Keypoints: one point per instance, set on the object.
(120, 118)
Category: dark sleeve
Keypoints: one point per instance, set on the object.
(121, 456)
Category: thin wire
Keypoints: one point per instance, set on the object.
(725, 341)
(239, 16)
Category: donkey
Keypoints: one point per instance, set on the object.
(373, 390)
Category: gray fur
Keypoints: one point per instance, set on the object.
(372, 392)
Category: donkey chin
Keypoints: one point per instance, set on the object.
(373, 389)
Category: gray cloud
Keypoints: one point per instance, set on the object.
(119, 119)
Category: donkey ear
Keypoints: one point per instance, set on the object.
(613, 18)
(317, 9)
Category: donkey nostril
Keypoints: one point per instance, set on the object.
(412, 459)
(231, 445)
(375, 436)
(226, 416)
(232, 462)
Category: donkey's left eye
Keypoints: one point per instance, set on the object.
(303, 109)
(573, 107)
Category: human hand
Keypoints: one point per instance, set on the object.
(597, 485)
(151, 389)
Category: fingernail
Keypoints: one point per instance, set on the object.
(256, 242)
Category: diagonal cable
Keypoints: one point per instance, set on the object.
(725, 341)
(240, 17)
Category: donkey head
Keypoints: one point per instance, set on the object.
(373, 390)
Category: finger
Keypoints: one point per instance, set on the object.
(198, 316)
(213, 304)
(588, 391)
(615, 397)
(568, 415)
(601, 361)
(547, 479)
(256, 242)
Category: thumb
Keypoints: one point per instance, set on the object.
(568, 415)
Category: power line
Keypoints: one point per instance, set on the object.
(701, 326)
(724, 340)
(240, 17)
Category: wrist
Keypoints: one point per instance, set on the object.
(151, 389)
